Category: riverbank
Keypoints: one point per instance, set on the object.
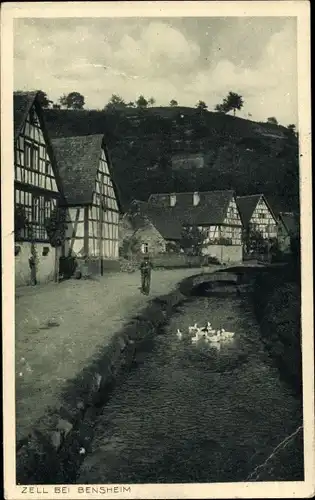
(277, 304)
(73, 343)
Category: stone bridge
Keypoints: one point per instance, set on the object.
(240, 275)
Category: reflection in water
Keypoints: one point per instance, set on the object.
(195, 412)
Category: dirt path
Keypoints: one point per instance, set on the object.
(61, 328)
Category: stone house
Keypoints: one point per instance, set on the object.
(138, 233)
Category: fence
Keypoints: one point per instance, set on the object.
(168, 261)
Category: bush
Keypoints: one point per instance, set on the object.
(278, 308)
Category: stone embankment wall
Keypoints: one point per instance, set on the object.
(53, 452)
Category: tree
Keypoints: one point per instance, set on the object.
(151, 101)
(130, 246)
(292, 129)
(234, 102)
(43, 99)
(273, 120)
(141, 102)
(74, 100)
(115, 102)
(56, 106)
(173, 103)
(192, 240)
(254, 240)
(201, 105)
(231, 102)
(131, 104)
(56, 226)
(221, 108)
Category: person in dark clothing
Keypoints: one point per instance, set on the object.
(32, 264)
(145, 269)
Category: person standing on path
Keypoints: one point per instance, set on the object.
(145, 269)
(32, 264)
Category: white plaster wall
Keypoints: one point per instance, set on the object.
(45, 268)
(225, 253)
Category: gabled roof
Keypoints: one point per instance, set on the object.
(247, 205)
(211, 209)
(77, 160)
(163, 219)
(169, 221)
(22, 103)
(290, 222)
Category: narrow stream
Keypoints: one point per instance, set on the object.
(195, 413)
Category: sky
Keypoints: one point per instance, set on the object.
(187, 59)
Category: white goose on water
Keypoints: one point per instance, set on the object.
(226, 335)
(214, 338)
(229, 335)
(194, 328)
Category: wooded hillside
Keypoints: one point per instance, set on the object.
(240, 154)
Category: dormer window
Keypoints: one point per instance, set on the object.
(196, 199)
(172, 200)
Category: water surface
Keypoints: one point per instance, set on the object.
(194, 413)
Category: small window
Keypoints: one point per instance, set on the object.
(17, 250)
(145, 248)
(45, 251)
(47, 167)
(31, 156)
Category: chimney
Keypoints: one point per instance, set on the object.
(196, 198)
(172, 200)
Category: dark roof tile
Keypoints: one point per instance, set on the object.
(22, 102)
(247, 205)
(169, 221)
(77, 159)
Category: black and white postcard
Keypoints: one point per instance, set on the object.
(157, 250)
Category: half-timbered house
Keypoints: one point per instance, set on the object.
(257, 215)
(92, 200)
(214, 213)
(37, 191)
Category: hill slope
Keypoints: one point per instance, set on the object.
(239, 154)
